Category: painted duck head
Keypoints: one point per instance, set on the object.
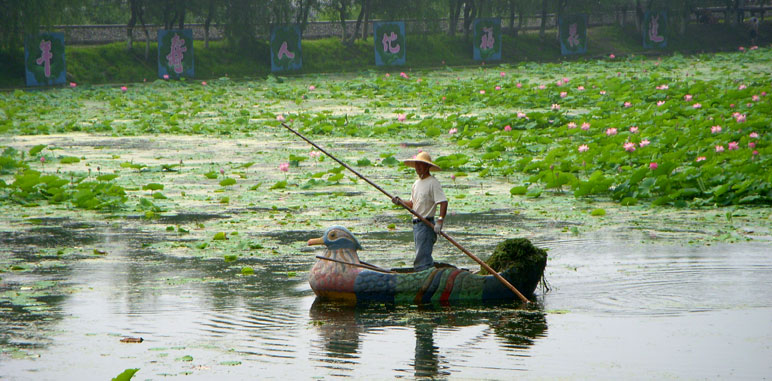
(336, 238)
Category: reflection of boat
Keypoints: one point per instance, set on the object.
(344, 331)
(340, 275)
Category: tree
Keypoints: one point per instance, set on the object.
(21, 17)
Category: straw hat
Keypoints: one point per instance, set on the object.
(423, 157)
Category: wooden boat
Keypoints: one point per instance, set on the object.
(340, 275)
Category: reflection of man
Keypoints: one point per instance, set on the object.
(425, 196)
(426, 353)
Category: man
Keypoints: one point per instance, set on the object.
(426, 194)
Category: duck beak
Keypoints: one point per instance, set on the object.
(315, 241)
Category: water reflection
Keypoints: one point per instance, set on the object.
(342, 330)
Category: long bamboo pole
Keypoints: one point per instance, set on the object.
(424, 220)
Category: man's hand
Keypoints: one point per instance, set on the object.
(396, 200)
(438, 226)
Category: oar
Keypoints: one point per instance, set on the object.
(424, 220)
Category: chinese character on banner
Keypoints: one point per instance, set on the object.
(655, 32)
(487, 39)
(387, 46)
(285, 48)
(573, 34)
(389, 41)
(44, 59)
(178, 49)
(175, 54)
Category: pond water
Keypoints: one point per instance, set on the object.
(620, 307)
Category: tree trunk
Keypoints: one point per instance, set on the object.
(638, 16)
(455, 12)
(367, 20)
(208, 23)
(359, 20)
(131, 24)
(512, 31)
(543, 26)
(343, 12)
(469, 12)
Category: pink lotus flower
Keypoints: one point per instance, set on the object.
(280, 117)
(719, 148)
(733, 146)
(42, 159)
(571, 125)
(715, 129)
(311, 88)
(660, 103)
(580, 88)
(403, 75)
(555, 106)
(754, 47)
(498, 87)
(521, 115)
(387, 75)
(314, 154)
(742, 49)
(644, 143)
(203, 83)
(701, 158)
(482, 91)
(688, 97)
(401, 117)
(755, 153)
(565, 80)
(603, 92)
(284, 167)
(503, 74)
(755, 98)
(166, 76)
(612, 56)
(697, 105)
(542, 87)
(222, 171)
(731, 105)
(585, 126)
(563, 94)
(124, 88)
(751, 145)
(763, 93)
(453, 176)
(73, 85)
(559, 83)
(452, 131)
(753, 135)
(740, 118)
(634, 129)
(507, 128)
(653, 165)
(519, 85)
(629, 146)
(663, 87)
(443, 98)
(742, 87)
(584, 148)
(611, 131)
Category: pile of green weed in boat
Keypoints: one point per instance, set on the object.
(521, 259)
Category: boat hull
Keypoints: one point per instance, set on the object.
(445, 285)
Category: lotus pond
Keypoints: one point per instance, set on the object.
(178, 212)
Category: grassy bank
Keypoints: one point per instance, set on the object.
(113, 63)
